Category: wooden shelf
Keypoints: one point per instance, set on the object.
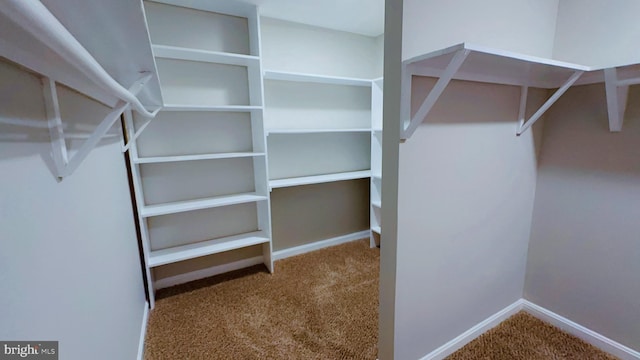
(319, 179)
(178, 158)
(181, 53)
(190, 251)
(497, 66)
(218, 108)
(376, 229)
(313, 78)
(198, 204)
(315, 131)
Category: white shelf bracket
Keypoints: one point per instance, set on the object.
(434, 94)
(525, 125)
(135, 89)
(64, 165)
(522, 113)
(617, 94)
(54, 121)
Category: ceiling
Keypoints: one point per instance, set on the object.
(365, 17)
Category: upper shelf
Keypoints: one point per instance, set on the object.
(313, 78)
(114, 33)
(482, 64)
(497, 66)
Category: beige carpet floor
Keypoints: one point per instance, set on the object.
(320, 305)
(524, 337)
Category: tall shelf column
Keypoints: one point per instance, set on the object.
(200, 169)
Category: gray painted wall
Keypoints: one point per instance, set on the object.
(466, 182)
(69, 264)
(584, 254)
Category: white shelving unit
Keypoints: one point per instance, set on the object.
(318, 128)
(376, 162)
(48, 40)
(205, 157)
(483, 64)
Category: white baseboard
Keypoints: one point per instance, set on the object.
(298, 250)
(469, 335)
(143, 330)
(208, 272)
(587, 335)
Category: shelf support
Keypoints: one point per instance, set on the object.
(617, 94)
(455, 64)
(135, 89)
(64, 165)
(525, 125)
(54, 121)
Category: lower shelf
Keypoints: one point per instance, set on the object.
(190, 251)
(376, 229)
(199, 204)
(318, 179)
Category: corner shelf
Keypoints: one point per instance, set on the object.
(191, 251)
(319, 179)
(178, 158)
(314, 78)
(199, 204)
(181, 53)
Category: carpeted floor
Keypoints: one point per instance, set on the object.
(321, 305)
(523, 337)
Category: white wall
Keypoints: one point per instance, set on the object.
(69, 264)
(288, 46)
(598, 32)
(584, 255)
(524, 26)
(465, 197)
(466, 182)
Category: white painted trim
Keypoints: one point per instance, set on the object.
(298, 250)
(600, 341)
(587, 335)
(469, 335)
(143, 330)
(208, 272)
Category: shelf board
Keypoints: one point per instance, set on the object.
(190, 251)
(181, 53)
(178, 158)
(376, 176)
(198, 204)
(314, 78)
(219, 108)
(100, 27)
(376, 229)
(319, 179)
(377, 203)
(497, 66)
(316, 131)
